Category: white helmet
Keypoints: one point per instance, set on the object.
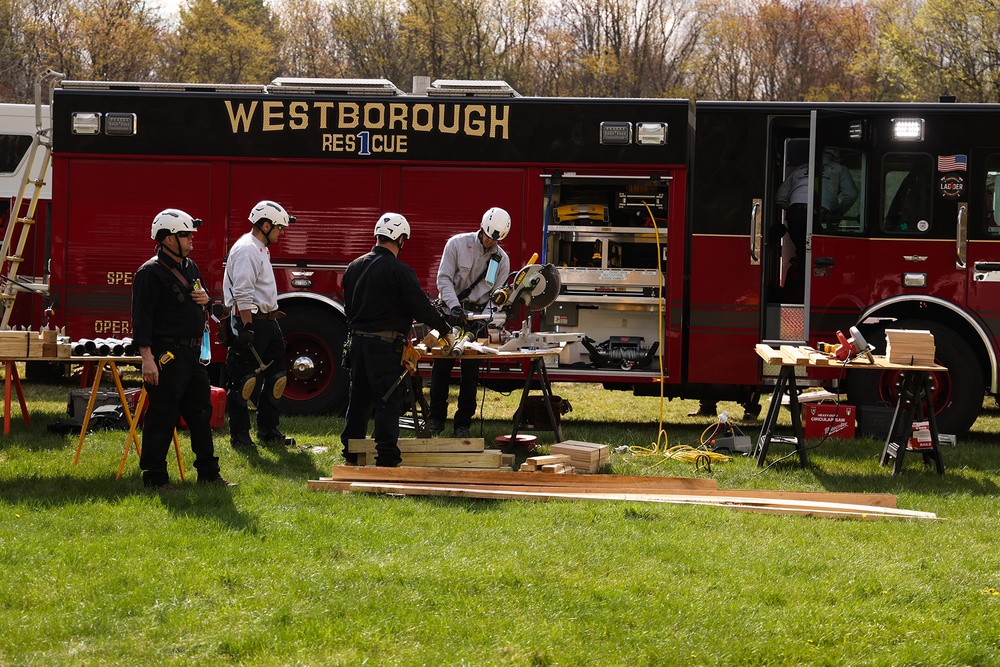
(173, 220)
(496, 223)
(392, 225)
(272, 212)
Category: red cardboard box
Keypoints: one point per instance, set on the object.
(834, 420)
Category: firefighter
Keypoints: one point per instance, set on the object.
(472, 265)
(168, 321)
(255, 364)
(382, 297)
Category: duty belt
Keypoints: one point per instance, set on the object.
(183, 342)
(388, 336)
(273, 315)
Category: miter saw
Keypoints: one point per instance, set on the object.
(535, 287)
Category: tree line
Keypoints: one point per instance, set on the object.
(819, 50)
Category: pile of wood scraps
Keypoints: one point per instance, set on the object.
(503, 485)
(438, 453)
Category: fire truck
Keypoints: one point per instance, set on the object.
(659, 215)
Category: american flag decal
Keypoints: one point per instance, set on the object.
(953, 162)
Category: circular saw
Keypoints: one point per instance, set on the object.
(535, 286)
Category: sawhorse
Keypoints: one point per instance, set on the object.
(785, 385)
(131, 420)
(133, 436)
(914, 391)
(537, 369)
(11, 380)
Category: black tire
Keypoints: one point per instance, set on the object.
(958, 394)
(314, 339)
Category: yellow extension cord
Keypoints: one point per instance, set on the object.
(701, 456)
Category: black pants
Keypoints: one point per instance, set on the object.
(440, 380)
(375, 366)
(184, 390)
(241, 364)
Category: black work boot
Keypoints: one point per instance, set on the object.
(275, 438)
(241, 441)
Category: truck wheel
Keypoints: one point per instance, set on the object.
(314, 340)
(958, 394)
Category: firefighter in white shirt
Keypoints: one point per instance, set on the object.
(251, 295)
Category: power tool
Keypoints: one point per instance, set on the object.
(848, 348)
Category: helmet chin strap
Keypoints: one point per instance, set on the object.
(180, 248)
(267, 235)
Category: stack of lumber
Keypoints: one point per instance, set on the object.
(497, 485)
(587, 457)
(803, 355)
(24, 343)
(438, 453)
(909, 346)
(553, 463)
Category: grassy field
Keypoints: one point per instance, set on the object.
(98, 571)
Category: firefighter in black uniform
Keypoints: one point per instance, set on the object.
(383, 297)
(168, 320)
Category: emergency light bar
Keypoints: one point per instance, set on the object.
(908, 129)
(344, 86)
(470, 88)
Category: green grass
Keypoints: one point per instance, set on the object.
(97, 571)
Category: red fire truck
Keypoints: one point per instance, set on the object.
(659, 215)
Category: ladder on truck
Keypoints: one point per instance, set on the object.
(12, 249)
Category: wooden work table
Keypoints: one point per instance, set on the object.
(914, 393)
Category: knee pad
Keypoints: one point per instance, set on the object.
(279, 386)
(242, 390)
(273, 387)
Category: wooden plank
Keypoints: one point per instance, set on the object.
(543, 484)
(490, 458)
(536, 482)
(548, 459)
(793, 356)
(367, 445)
(736, 501)
(433, 476)
(768, 354)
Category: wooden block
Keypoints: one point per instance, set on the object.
(587, 456)
(413, 445)
(539, 461)
(768, 354)
(793, 356)
(64, 350)
(14, 344)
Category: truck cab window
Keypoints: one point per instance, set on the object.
(907, 194)
(13, 148)
(991, 199)
(842, 203)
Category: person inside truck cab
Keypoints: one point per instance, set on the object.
(839, 189)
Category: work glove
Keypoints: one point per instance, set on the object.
(245, 337)
(410, 358)
(456, 316)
